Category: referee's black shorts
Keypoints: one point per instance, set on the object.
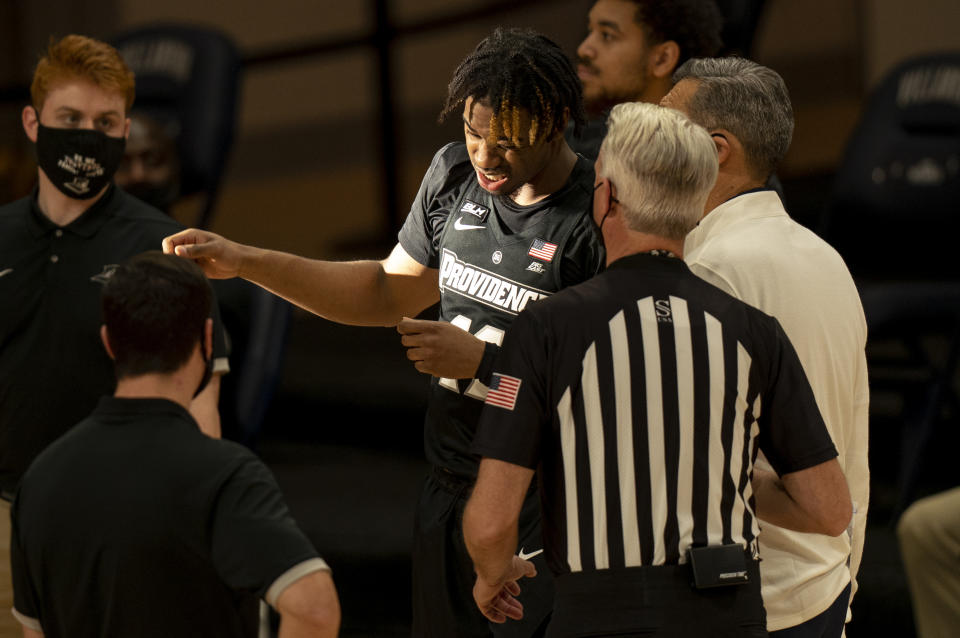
(655, 601)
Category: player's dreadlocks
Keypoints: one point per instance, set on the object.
(516, 70)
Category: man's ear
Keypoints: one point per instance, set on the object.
(721, 139)
(662, 61)
(105, 338)
(30, 122)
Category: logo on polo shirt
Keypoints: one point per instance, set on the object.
(536, 266)
(105, 274)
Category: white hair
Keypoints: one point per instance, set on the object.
(663, 166)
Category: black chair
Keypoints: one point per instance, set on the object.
(894, 217)
(190, 75)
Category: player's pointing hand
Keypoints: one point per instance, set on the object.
(219, 257)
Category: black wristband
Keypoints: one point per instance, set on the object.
(485, 369)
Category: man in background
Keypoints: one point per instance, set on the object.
(631, 51)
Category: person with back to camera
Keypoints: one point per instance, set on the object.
(135, 523)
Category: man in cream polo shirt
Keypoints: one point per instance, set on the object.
(747, 245)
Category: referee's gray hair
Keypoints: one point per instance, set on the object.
(747, 99)
(663, 165)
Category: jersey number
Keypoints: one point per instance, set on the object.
(488, 333)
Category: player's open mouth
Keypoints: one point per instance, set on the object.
(491, 183)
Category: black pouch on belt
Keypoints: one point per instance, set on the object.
(718, 565)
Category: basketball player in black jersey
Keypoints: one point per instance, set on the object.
(499, 221)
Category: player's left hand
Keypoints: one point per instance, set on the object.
(441, 348)
(499, 602)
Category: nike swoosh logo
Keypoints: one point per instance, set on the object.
(6, 272)
(530, 555)
(459, 225)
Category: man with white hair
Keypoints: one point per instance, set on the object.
(642, 397)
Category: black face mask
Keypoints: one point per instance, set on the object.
(79, 162)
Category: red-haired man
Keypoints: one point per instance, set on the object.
(57, 247)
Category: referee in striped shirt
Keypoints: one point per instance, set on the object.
(642, 397)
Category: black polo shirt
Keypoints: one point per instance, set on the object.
(53, 368)
(135, 523)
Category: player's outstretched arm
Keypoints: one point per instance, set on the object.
(373, 293)
(814, 500)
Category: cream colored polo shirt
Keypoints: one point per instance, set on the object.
(751, 248)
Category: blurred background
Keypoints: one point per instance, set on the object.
(331, 127)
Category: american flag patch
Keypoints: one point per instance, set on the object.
(542, 249)
(503, 391)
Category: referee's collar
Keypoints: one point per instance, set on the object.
(648, 260)
(86, 225)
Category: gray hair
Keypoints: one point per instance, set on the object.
(663, 165)
(747, 99)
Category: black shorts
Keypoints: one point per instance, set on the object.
(655, 601)
(443, 577)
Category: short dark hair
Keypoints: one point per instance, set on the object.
(695, 25)
(514, 69)
(155, 307)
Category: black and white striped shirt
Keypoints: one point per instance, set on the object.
(643, 396)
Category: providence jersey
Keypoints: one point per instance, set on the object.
(494, 257)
